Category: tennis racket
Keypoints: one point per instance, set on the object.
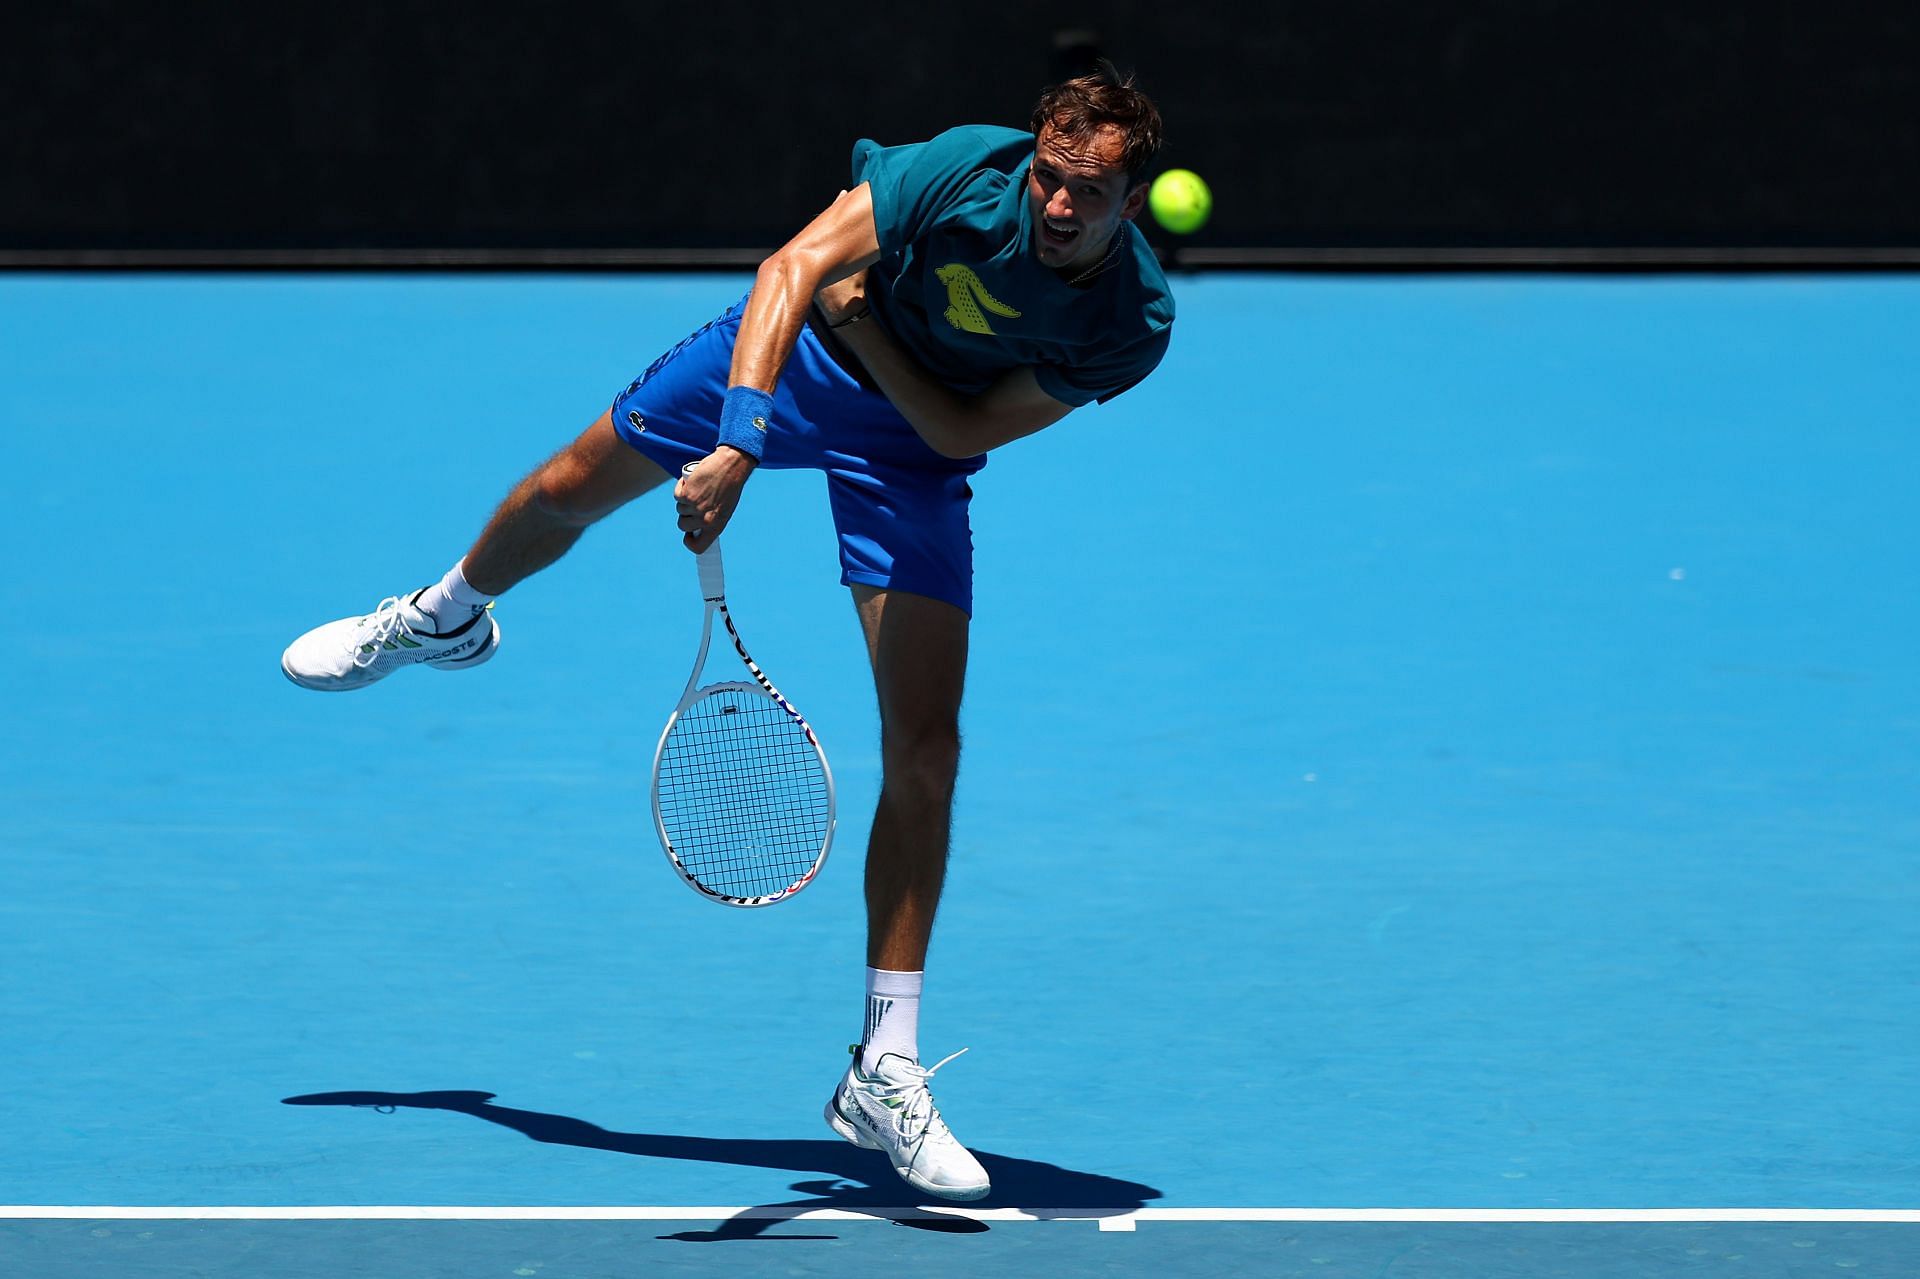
(742, 795)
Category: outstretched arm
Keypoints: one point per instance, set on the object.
(951, 424)
(839, 242)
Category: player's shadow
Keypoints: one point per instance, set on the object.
(855, 1179)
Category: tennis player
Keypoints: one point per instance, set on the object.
(964, 292)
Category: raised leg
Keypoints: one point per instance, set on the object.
(546, 512)
(543, 516)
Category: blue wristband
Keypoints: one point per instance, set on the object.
(743, 420)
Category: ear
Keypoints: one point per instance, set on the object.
(1136, 200)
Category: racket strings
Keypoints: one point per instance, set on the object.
(743, 796)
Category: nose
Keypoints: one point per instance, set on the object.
(1058, 205)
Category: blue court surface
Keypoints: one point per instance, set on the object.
(1440, 800)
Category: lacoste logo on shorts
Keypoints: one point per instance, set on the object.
(636, 421)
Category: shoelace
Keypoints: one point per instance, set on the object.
(916, 1103)
(375, 629)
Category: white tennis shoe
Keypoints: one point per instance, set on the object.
(355, 651)
(891, 1110)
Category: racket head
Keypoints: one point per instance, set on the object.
(743, 799)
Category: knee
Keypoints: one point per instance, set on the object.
(921, 765)
(564, 490)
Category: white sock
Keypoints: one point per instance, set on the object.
(893, 1016)
(453, 598)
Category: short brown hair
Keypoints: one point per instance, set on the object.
(1078, 107)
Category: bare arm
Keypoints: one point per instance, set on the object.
(952, 424)
(838, 243)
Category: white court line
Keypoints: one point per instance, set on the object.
(1108, 1218)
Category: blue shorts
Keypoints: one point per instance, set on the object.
(899, 508)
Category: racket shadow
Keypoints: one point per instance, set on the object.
(855, 1179)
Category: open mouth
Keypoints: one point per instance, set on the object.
(1058, 233)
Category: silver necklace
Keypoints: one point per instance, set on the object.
(1113, 251)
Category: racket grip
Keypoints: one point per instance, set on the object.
(713, 579)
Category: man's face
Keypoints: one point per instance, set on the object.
(1079, 196)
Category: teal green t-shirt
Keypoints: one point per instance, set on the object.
(959, 286)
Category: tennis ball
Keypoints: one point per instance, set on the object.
(1180, 201)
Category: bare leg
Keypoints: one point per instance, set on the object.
(546, 513)
(918, 647)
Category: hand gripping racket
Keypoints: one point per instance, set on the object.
(742, 795)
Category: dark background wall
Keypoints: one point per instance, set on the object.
(595, 124)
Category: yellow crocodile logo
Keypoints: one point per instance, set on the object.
(966, 295)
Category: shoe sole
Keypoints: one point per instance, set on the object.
(333, 687)
(850, 1131)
